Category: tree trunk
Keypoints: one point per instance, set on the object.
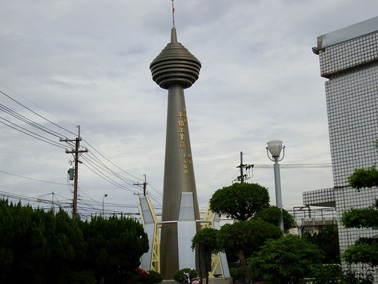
(244, 267)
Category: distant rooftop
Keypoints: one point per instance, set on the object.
(348, 33)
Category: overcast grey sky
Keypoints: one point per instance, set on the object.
(86, 62)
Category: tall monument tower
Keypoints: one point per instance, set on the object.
(176, 69)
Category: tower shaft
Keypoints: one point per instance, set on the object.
(178, 176)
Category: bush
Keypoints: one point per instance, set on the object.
(154, 277)
(326, 274)
(351, 277)
(143, 275)
(179, 275)
(237, 274)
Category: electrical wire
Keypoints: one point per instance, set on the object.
(106, 173)
(94, 168)
(97, 165)
(84, 206)
(295, 166)
(37, 114)
(30, 133)
(33, 179)
(28, 121)
(102, 155)
(93, 162)
(104, 167)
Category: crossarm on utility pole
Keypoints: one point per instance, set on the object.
(75, 153)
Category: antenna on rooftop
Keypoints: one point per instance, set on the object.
(173, 13)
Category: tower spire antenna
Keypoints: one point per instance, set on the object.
(173, 13)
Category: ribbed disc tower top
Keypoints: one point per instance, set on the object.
(175, 65)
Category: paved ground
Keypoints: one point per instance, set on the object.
(211, 281)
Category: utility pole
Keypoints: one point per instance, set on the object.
(76, 152)
(103, 205)
(144, 185)
(242, 166)
(52, 202)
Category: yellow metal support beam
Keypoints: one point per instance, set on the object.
(155, 260)
(215, 258)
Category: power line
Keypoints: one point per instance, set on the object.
(33, 179)
(99, 173)
(60, 127)
(101, 168)
(88, 206)
(104, 167)
(296, 166)
(28, 121)
(33, 103)
(94, 163)
(30, 133)
(102, 155)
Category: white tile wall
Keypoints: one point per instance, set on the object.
(352, 105)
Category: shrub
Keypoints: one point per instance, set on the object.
(143, 275)
(179, 275)
(326, 274)
(154, 277)
(237, 274)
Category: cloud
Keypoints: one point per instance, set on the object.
(87, 63)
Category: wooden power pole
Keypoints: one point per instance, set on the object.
(144, 185)
(76, 153)
(242, 166)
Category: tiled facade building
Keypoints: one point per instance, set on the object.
(349, 60)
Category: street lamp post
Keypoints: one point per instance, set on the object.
(103, 209)
(299, 226)
(274, 148)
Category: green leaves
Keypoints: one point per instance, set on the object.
(327, 239)
(365, 250)
(208, 238)
(256, 220)
(115, 246)
(364, 178)
(285, 260)
(362, 253)
(40, 247)
(360, 218)
(240, 201)
(272, 215)
(246, 235)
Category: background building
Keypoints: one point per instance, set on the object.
(312, 220)
(349, 60)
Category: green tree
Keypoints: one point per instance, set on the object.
(327, 240)
(365, 250)
(67, 249)
(206, 237)
(29, 246)
(365, 177)
(115, 246)
(326, 274)
(285, 260)
(205, 243)
(6, 240)
(272, 215)
(240, 201)
(246, 237)
(43, 247)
